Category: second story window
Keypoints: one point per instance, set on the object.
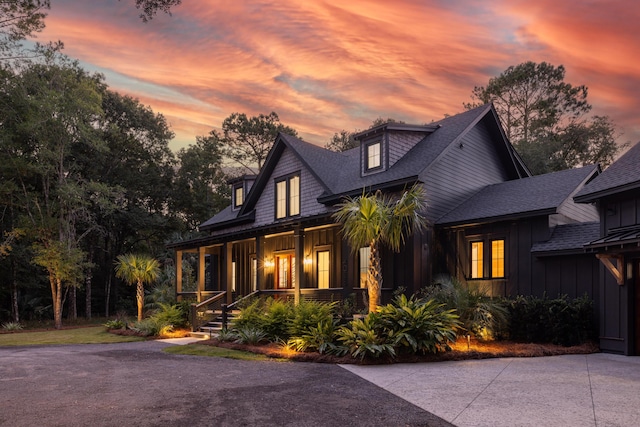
(238, 197)
(374, 158)
(288, 196)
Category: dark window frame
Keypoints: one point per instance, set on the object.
(288, 208)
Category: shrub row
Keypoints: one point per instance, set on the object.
(407, 325)
(559, 321)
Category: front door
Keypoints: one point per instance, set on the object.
(285, 271)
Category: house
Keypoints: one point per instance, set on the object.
(616, 194)
(491, 224)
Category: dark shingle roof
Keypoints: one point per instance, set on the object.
(534, 195)
(622, 175)
(569, 237)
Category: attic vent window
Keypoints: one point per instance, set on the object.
(373, 155)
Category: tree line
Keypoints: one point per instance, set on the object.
(86, 173)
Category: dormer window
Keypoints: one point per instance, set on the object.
(374, 159)
(238, 196)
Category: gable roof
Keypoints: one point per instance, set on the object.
(532, 196)
(339, 173)
(622, 175)
(568, 238)
(446, 133)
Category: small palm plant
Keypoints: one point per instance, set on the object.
(138, 269)
(375, 219)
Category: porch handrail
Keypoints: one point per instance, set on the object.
(227, 308)
(196, 308)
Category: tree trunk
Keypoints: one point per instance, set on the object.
(73, 304)
(140, 299)
(56, 289)
(374, 278)
(107, 291)
(87, 295)
(15, 313)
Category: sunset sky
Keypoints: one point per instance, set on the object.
(329, 65)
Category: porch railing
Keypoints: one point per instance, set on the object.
(226, 309)
(204, 311)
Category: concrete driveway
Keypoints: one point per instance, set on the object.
(136, 384)
(574, 390)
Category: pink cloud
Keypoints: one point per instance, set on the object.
(326, 66)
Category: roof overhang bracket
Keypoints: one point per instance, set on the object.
(617, 270)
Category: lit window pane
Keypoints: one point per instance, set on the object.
(281, 199)
(476, 260)
(233, 276)
(364, 265)
(238, 196)
(294, 196)
(373, 155)
(497, 258)
(323, 269)
(254, 274)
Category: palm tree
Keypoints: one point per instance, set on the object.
(138, 269)
(372, 219)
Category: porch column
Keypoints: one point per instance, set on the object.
(227, 269)
(178, 274)
(298, 238)
(201, 275)
(260, 263)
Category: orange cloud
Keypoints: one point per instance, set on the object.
(331, 65)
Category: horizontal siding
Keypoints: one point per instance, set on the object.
(462, 172)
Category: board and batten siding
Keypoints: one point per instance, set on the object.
(463, 170)
(310, 190)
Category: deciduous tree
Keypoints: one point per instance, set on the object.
(246, 141)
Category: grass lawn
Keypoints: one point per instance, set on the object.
(212, 351)
(87, 335)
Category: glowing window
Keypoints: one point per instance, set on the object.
(373, 155)
(288, 197)
(285, 271)
(233, 276)
(497, 258)
(476, 260)
(364, 265)
(323, 269)
(294, 196)
(238, 198)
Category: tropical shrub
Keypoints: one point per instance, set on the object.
(418, 326)
(250, 335)
(115, 324)
(320, 338)
(147, 327)
(362, 338)
(309, 314)
(12, 326)
(169, 314)
(480, 315)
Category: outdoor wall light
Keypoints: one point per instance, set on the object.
(268, 263)
(308, 260)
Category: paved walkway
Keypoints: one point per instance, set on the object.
(573, 390)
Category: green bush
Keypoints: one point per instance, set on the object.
(362, 338)
(308, 314)
(12, 326)
(250, 335)
(559, 321)
(480, 315)
(168, 314)
(418, 326)
(116, 324)
(318, 338)
(147, 327)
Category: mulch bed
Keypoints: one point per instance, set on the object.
(460, 351)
